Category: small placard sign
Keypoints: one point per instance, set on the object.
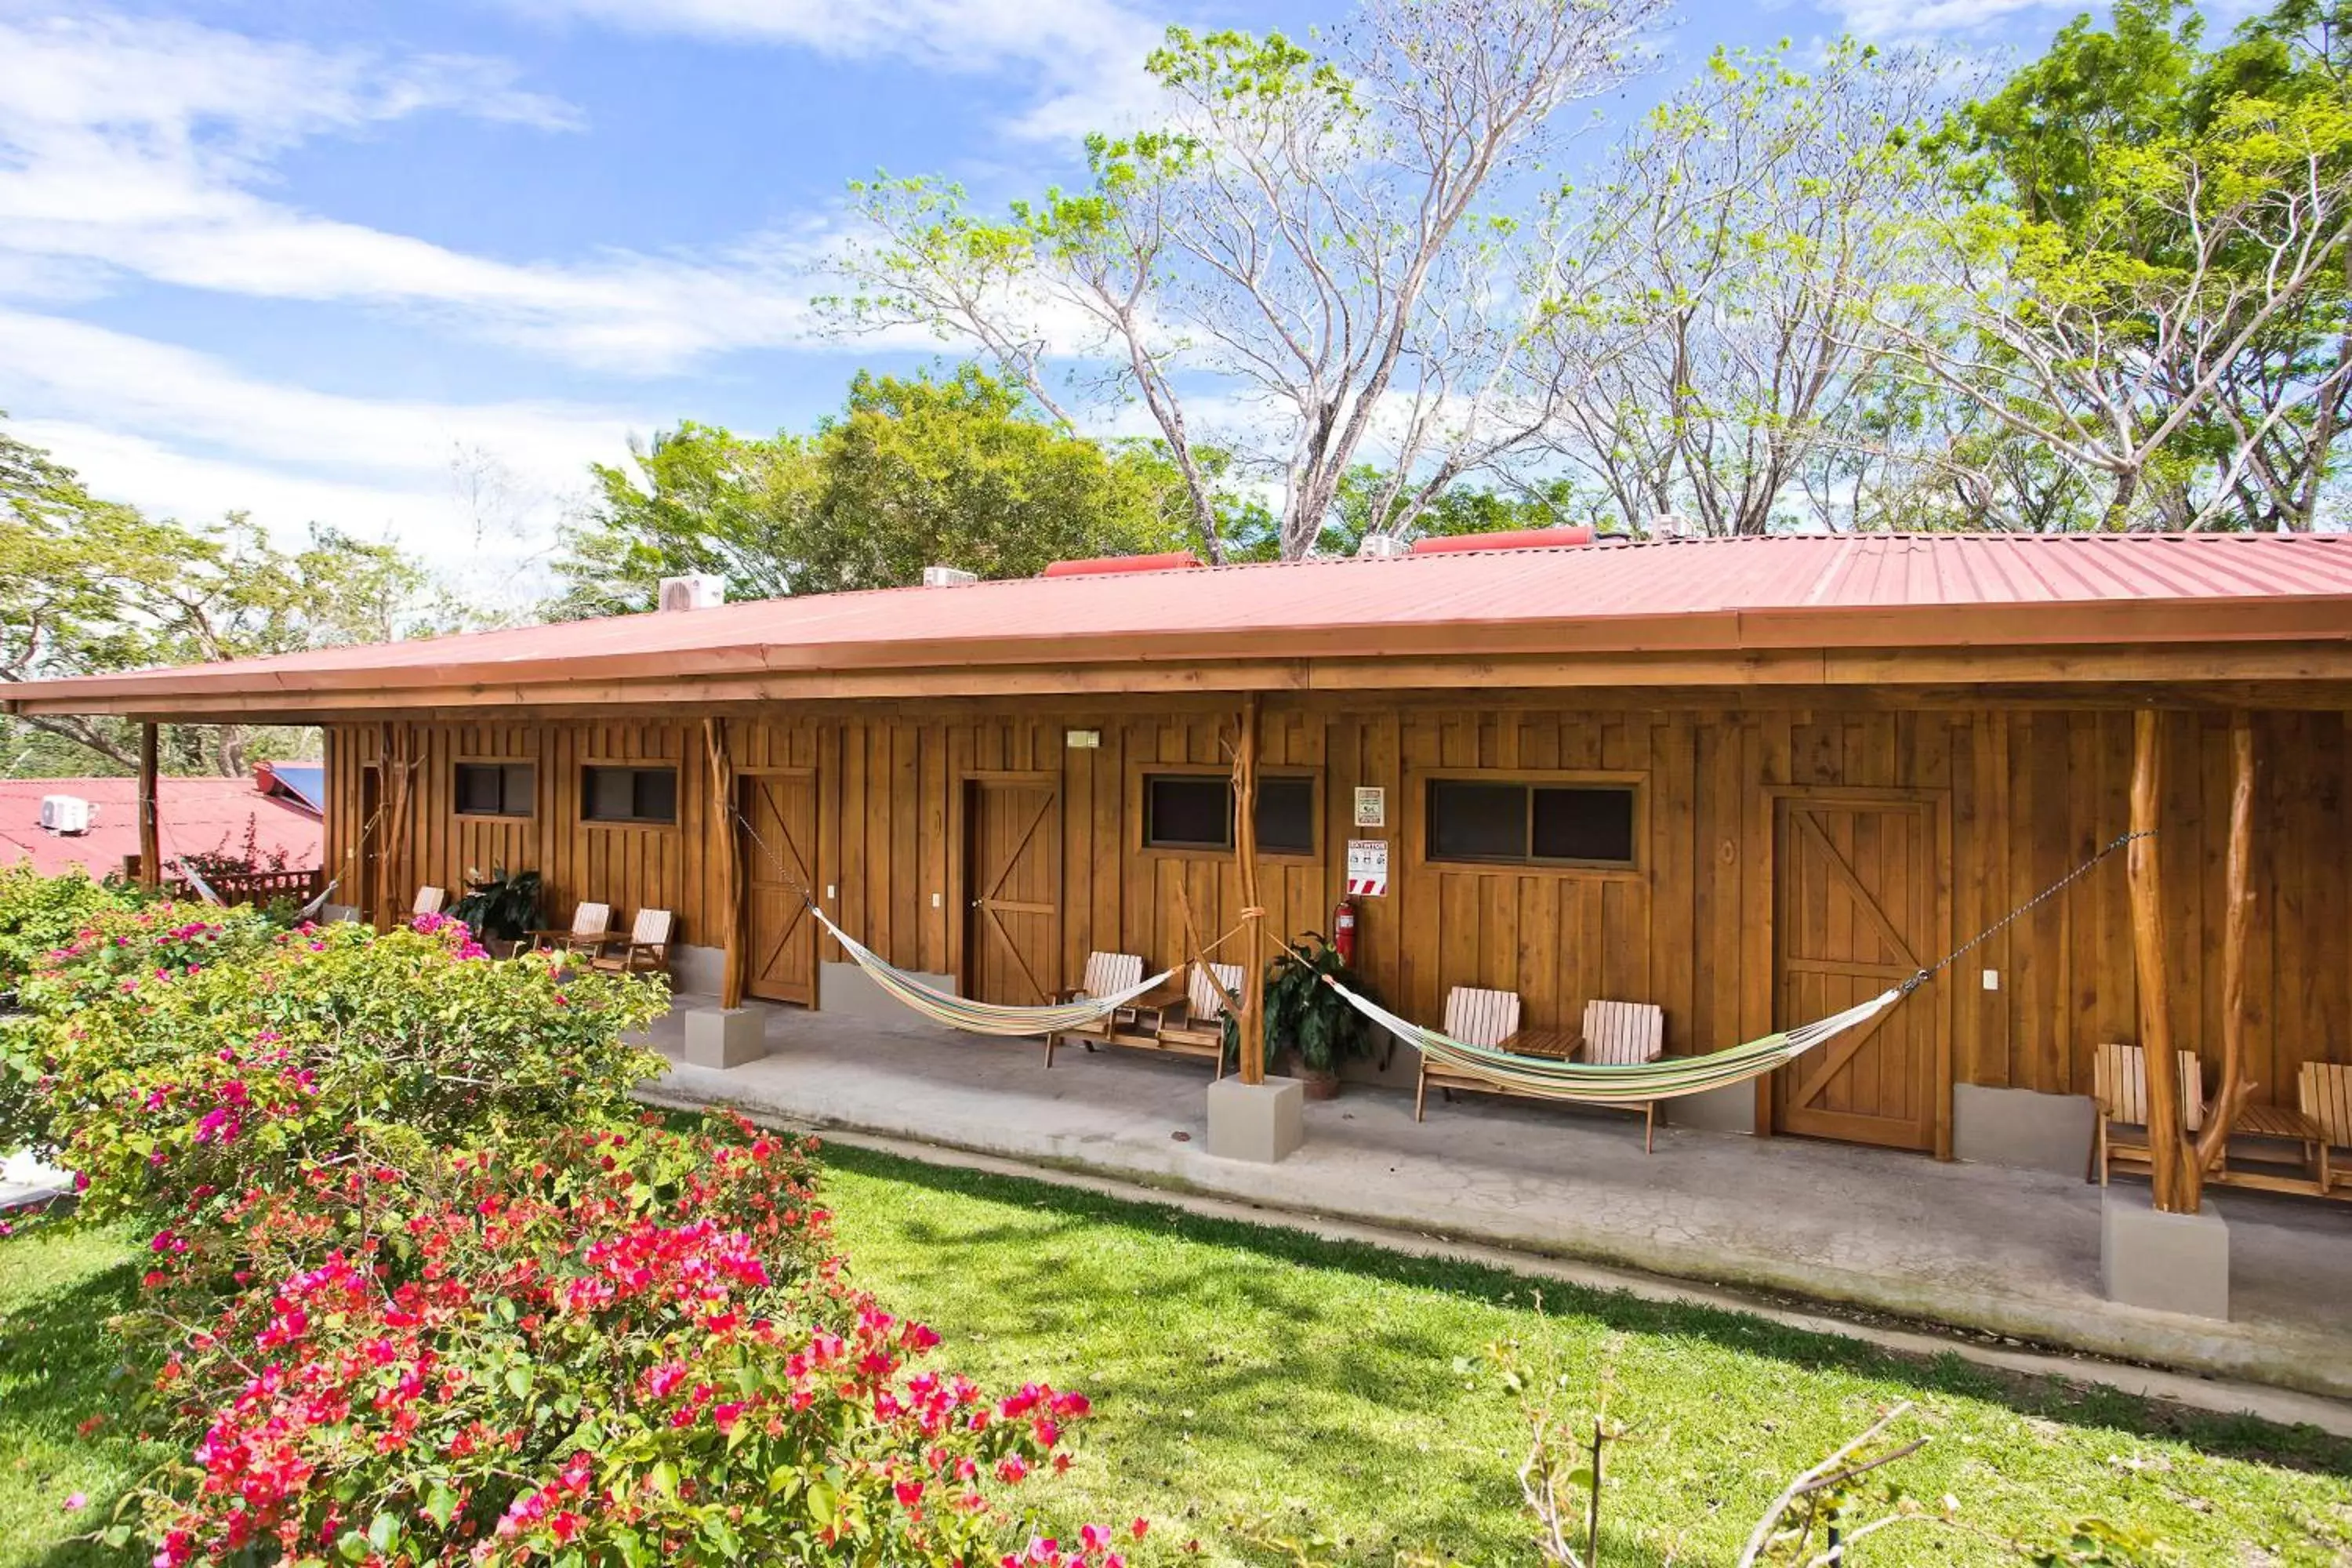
(1372, 806)
(1081, 740)
(1368, 868)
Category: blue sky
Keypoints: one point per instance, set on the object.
(407, 267)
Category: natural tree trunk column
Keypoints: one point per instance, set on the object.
(731, 862)
(2172, 1170)
(2236, 932)
(151, 834)
(1253, 1021)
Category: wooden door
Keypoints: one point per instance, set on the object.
(1858, 908)
(1012, 941)
(780, 951)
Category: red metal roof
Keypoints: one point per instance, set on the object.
(194, 816)
(1857, 591)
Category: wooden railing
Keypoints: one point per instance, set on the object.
(253, 886)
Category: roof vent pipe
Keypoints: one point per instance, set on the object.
(1381, 547)
(949, 577)
(700, 591)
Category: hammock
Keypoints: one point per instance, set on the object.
(1594, 1083)
(982, 1017)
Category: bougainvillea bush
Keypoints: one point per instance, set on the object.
(184, 1056)
(39, 914)
(625, 1347)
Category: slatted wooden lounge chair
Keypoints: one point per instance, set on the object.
(1474, 1017)
(2119, 1084)
(645, 950)
(429, 900)
(589, 933)
(1106, 974)
(1615, 1033)
(1196, 1024)
(1627, 1033)
(2324, 1091)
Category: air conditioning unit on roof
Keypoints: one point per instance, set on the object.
(66, 813)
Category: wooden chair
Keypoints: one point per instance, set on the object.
(1196, 1025)
(589, 933)
(1474, 1017)
(1106, 974)
(2325, 1093)
(645, 950)
(2119, 1085)
(429, 900)
(1627, 1033)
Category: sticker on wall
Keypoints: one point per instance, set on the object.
(1372, 806)
(1368, 868)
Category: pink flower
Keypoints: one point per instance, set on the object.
(909, 1493)
(76, 1502)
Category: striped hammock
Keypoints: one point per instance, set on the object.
(1594, 1083)
(983, 1017)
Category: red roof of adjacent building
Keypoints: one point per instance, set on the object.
(1774, 593)
(194, 816)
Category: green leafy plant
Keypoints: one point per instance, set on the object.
(1308, 1015)
(501, 907)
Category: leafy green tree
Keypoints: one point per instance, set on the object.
(89, 586)
(959, 470)
(2151, 269)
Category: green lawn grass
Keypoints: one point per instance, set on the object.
(1246, 1371)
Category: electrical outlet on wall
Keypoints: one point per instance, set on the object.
(1992, 979)
(938, 899)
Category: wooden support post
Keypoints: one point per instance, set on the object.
(1252, 1019)
(2238, 916)
(150, 830)
(2171, 1168)
(399, 775)
(731, 862)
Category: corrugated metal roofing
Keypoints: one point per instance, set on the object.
(1776, 591)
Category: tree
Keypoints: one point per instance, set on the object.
(89, 586)
(1714, 311)
(2149, 266)
(956, 471)
(1304, 238)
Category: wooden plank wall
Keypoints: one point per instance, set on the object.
(2026, 794)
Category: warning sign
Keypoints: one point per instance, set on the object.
(1372, 806)
(1368, 868)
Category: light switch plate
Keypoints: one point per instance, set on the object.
(938, 899)
(1992, 979)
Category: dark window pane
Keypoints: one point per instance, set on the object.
(1286, 815)
(519, 797)
(656, 794)
(1478, 821)
(477, 787)
(609, 794)
(1578, 824)
(1182, 812)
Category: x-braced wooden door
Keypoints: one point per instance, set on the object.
(1013, 936)
(1859, 908)
(779, 956)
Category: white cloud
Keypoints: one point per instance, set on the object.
(145, 149)
(180, 434)
(1087, 56)
(1899, 20)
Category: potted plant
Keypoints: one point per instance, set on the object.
(1315, 1021)
(499, 908)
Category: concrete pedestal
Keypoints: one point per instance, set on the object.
(725, 1038)
(2172, 1262)
(1262, 1122)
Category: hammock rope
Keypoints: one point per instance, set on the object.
(1601, 1083)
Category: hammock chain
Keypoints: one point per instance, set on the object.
(2038, 900)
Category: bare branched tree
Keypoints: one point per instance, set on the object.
(1295, 271)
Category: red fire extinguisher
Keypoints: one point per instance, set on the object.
(1343, 930)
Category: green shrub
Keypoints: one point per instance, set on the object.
(179, 1062)
(39, 914)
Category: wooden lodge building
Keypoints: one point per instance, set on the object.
(1750, 781)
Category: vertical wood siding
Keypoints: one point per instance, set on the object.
(2026, 795)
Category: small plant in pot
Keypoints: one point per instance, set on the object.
(1315, 1021)
(499, 908)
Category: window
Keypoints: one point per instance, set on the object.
(1532, 824)
(628, 795)
(495, 789)
(1195, 811)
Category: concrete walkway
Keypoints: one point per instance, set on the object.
(2006, 1252)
